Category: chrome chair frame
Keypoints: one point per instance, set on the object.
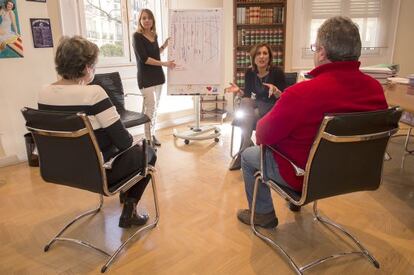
(148, 170)
(407, 140)
(261, 178)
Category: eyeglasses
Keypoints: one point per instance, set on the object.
(314, 48)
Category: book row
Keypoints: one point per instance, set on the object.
(252, 37)
(243, 59)
(259, 15)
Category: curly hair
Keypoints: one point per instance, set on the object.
(72, 56)
(9, 1)
(255, 50)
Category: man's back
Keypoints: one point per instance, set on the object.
(293, 123)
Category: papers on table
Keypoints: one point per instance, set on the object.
(381, 72)
(399, 80)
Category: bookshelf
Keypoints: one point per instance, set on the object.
(256, 22)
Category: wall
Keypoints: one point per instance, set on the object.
(21, 79)
(404, 44)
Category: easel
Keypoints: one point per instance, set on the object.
(198, 132)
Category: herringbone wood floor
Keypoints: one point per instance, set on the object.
(198, 232)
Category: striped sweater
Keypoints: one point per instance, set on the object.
(92, 100)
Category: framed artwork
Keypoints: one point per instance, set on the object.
(11, 45)
(42, 32)
(42, 1)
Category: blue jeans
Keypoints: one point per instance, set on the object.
(250, 164)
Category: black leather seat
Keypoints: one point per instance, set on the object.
(112, 84)
(290, 79)
(346, 156)
(69, 155)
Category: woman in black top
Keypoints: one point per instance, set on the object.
(263, 85)
(150, 75)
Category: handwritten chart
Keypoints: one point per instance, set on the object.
(196, 47)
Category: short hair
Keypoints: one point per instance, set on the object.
(9, 1)
(254, 51)
(340, 38)
(140, 28)
(72, 56)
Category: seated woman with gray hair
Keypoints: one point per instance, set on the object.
(75, 61)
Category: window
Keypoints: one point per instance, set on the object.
(376, 20)
(110, 24)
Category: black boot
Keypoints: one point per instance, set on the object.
(129, 215)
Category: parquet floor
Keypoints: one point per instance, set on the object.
(198, 232)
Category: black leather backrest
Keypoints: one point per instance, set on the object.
(112, 84)
(345, 167)
(70, 161)
(291, 78)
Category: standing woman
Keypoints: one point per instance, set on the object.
(150, 75)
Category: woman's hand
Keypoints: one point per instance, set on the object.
(170, 64)
(232, 89)
(273, 90)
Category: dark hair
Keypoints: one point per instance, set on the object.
(254, 51)
(340, 38)
(9, 1)
(140, 28)
(72, 56)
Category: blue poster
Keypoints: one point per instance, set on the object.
(10, 40)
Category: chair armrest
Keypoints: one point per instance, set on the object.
(298, 171)
(108, 165)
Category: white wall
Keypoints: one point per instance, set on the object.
(403, 52)
(21, 79)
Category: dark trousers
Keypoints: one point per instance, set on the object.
(127, 164)
(253, 111)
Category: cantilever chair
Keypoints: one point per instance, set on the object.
(346, 156)
(290, 79)
(69, 155)
(112, 84)
(408, 119)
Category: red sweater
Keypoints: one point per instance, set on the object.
(291, 126)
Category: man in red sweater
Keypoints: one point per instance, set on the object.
(337, 86)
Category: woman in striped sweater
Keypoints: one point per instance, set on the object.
(75, 62)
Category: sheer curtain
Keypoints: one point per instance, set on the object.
(376, 20)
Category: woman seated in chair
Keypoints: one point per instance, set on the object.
(264, 83)
(75, 62)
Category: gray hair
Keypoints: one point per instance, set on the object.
(340, 38)
(72, 56)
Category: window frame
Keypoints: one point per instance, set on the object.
(109, 61)
(302, 56)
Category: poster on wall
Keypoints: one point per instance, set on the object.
(42, 32)
(10, 40)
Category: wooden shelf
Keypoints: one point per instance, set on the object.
(267, 3)
(213, 106)
(255, 26)
(213, 101)
(248, 47)
(245, 33)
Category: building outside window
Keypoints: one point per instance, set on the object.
(111, 23)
